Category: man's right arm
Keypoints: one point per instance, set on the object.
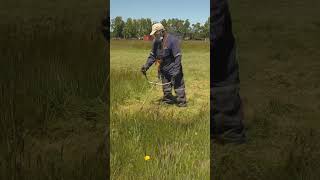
(152, 56)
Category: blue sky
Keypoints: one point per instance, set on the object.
(194, 10)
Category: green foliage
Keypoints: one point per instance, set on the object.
(137, 28)
(117, 27)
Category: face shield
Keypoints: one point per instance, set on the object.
(158, 35)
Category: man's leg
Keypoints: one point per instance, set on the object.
(179, 88)
(167, 89)
(226, 114)
(226, 107)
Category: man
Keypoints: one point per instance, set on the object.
(226, 107)
(166, 48)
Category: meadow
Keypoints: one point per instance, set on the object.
(54, 104)
(176, 139)
(53, 71)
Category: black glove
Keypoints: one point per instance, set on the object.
(143, 70)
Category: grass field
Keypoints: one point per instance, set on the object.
(52, 101)
(53, 98)
(176, 139)
(278, 44)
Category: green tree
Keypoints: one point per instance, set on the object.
(179, 24)
(117, 26)
(206, 28)
(164, 23)
(196, 28)
(186, 28)
(139, 28)
(127, 31)
(145, 26)
(135, 28)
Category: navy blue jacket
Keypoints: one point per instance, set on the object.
(169, 52)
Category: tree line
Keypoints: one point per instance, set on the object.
(137, 28)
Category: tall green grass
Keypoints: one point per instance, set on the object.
(279, 70)
(177, 140)
(53, 77)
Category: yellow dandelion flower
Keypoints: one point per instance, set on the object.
(147, 158)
